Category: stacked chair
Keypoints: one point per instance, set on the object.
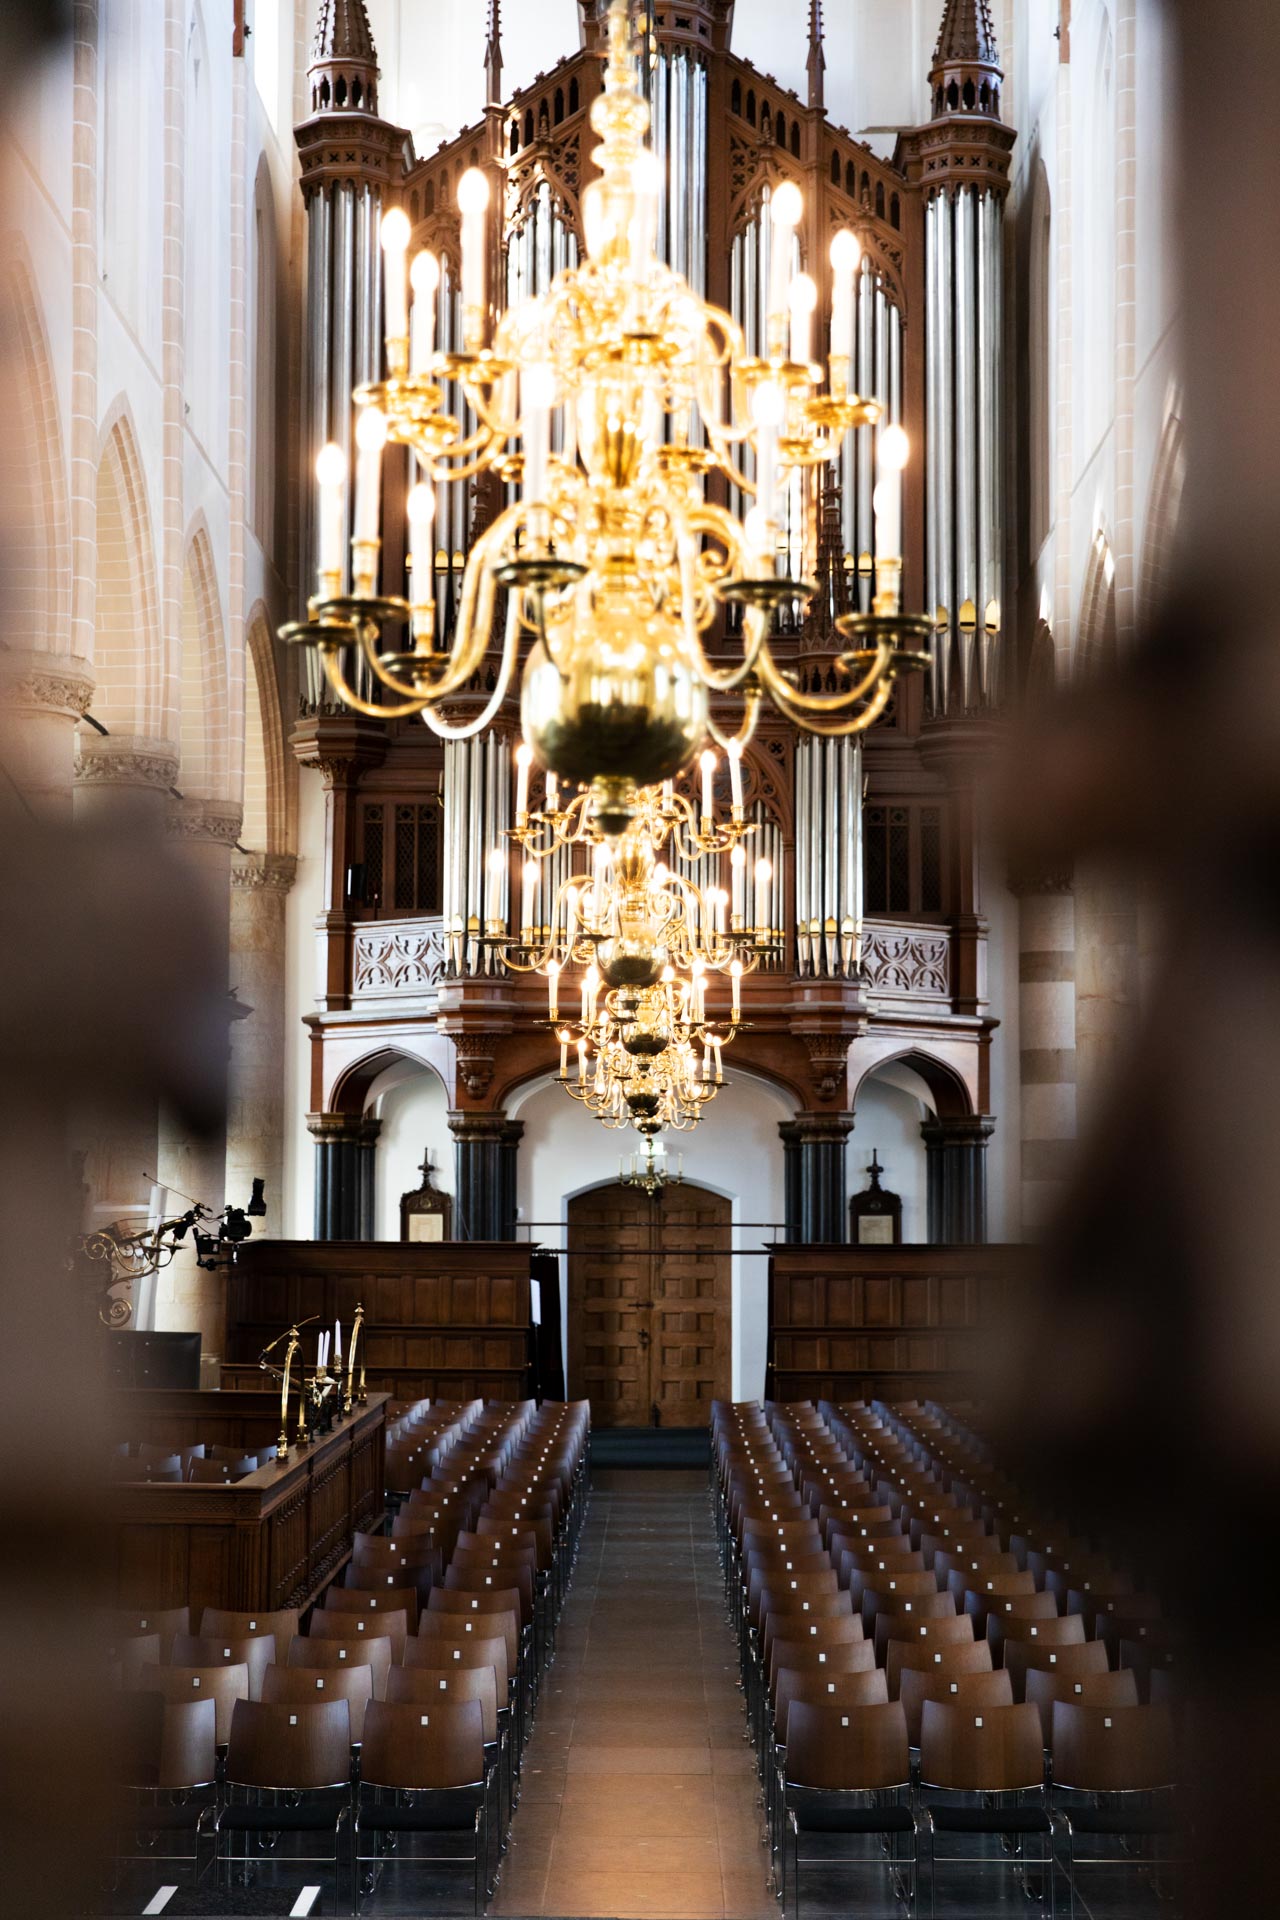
(930, 1662)
(397, 1707)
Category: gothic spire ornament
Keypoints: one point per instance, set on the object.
(816, 64)
(343, 72)
(966, 72)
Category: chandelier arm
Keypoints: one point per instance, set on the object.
(482, 445)
(840, 730)
(510, 647)
(372, 710)
(751, 702)
(799, 703)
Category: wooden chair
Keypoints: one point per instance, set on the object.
(432, 1759)
(287, 1686)
(390, 1596)
(1022, 1657)
(288, 1771)
(124, 1623)
(374, 1652)
(994, 1755)
(256, 1651)
(282, 1622)
(164, 1759)
(847, 1771)
(223, 1685)
(333, 1623)
(1113, 1778)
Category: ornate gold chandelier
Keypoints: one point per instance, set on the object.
(614, 560)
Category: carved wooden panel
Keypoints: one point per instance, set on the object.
(857, 1322)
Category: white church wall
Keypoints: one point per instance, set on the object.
(413, 1106)
(890, 1110)
(1004, 1150)
(735, 1151)
(306, 902)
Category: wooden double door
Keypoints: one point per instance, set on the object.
(649, 1304)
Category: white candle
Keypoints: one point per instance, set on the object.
(537, 397)
(528, 888)
(582, 1061)
(593, 990)
(646, 178)
(735, 982)
(553, 987)
(331, 475)
(424, 278)
(497, 867)
(846, 257)
(767, 405)
(551, 802)
(764, 873)
(371, 439)
(708, 764)
(421, 510)
(473, 204)
(395, 247)
(802, 299)
(586, 1001)
(734, 751)
(785, 209)
(718, 898)
(337, 1342)
(715, 1044)
(737, 880)
(891, 458)
(668, 796)
(319, 1351)
(524, 760)
(564, 1055)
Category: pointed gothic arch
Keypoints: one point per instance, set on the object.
(1098, 642)
(38, 599)
(268, 811)
(203, 732)
(131, 694)
(1164, 512)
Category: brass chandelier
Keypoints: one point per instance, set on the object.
(614, 560)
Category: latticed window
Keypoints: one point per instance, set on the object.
(903, 866)
(400, 855)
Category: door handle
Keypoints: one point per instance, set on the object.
(643, 1338)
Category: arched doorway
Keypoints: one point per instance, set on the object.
(649, 1304)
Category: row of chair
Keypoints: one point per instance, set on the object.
(881, 1689)
(418, 1672)
(157, 1461)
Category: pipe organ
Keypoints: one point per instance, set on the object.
(925, 341)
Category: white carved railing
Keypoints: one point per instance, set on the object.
(908, 962)
(397, 960)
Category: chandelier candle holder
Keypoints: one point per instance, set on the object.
(648, 1170)
(614, 560)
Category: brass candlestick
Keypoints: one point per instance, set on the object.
(356, 1327)
(282, 1447)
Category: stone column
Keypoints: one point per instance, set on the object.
(346, 1161)
(42, 696)
(1107, 990)
(486, 1145)
(260, 884)
(815, 1195)
(956, 1179)
(125, 781)
(189, 1297)
(1047, 1026)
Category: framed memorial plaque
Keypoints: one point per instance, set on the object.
(875, 1214)
(426, 1213)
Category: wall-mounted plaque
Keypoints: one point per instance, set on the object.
(875, 1214)
(426, 1213)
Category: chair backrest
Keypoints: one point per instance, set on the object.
(963, 1689)
(122, 1623)
(980, 1750)
(488, 1613)
(1105, 1689)
(280, 1621)
(1057, 1630)
(1112, 1749)
(253, 1650)
(514, 1582)
(1022, 1657)
(820, 1655)
(293, 1747)
(852, 1748)
(825, 1687)
(332, 1623)
(134, 1651)
(411, 1746)
(305, 1686)
(919, 1610)
(188, 1746)
(374, 1652)
(223, 1685)
(219, 1472)
(441, 1642)
(420, 1686)
(933, 1656)
(390, 1596)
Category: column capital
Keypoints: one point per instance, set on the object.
(59, 683)
(464, 1124)
(264, 872)
(218, 821)
(810, 1128)
(962, 1130)
(358, 1129)
(126, 760)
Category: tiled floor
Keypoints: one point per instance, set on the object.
(640, 1791)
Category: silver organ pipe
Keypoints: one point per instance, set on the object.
(933, 577)
(477, 799)
(940, 444)
(828, 787)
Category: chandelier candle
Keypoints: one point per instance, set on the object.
(424, 277)
(473, 204)
(395, 292)
(802, 300)
(846, 258)
(331, 529)
(734, 752)
(785, 210)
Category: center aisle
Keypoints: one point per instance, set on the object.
(639, 1787)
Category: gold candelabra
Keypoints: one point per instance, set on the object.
(357, 1328)
(608, 402)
